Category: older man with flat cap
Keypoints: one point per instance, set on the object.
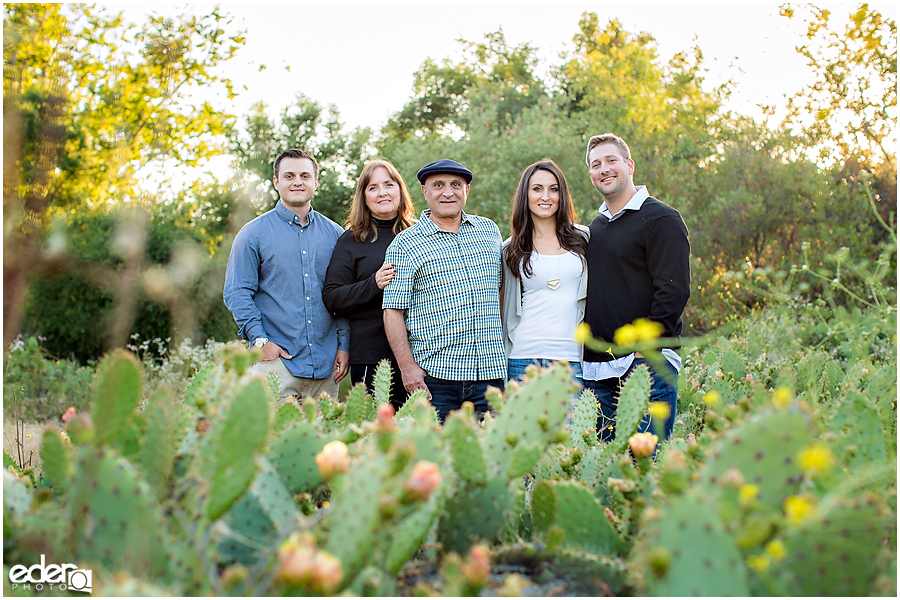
(442, 309)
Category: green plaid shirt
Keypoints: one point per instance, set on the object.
(449, 285)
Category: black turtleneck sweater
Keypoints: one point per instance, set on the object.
(350, 292)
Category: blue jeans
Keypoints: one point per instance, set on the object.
(607, 392)
(448, 395)
(516, 368)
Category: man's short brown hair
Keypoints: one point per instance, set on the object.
(606, 138)
(295, 153)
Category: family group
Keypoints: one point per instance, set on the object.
(453, 307)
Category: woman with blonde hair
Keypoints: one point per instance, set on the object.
(355, 280)
(544, 274)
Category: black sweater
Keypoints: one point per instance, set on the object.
(638, 266)
(350, 292)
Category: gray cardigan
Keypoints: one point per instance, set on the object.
(512, 297)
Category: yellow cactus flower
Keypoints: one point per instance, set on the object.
(816, 459)
(659, 410)
(626, 335)
(647, 329)
(748, 493)
(640, 331)
(798, 509)
(776, 550)
(783, 397)
(712, 397)
(582, 333)
(760, 562)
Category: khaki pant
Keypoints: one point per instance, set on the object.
(289, 385)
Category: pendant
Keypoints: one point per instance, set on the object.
(553, 283)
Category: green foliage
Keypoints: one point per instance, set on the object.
(108, 96)
(36, 388)
(306, 125)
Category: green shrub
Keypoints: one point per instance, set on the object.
(37, 388)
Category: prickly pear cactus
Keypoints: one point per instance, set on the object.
(419, 409)
(764, 450)
(574, 509)
(633, 400)
(731, 362)
(114, 517)
(192, 393)
(584, 420)
(408, 533)
(474, 512)
(532, 415)
(56, 461)
(16, 498)
(118, 393)
(285, 415)
(360, 406)
(262, 515)
(835, 553)
(353, 519)
(859, 431)
(684, 550)
(158, 444)
(293, 454)
(465, 449)
(607, 574)
(226, 459)
(381, 383)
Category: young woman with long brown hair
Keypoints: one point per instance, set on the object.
(544, 274)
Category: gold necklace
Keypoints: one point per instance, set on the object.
(553, 284)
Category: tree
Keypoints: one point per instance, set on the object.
(850, 111)
(305, 125)
(88, 100)
(444, 93)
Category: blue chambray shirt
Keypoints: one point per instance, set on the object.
(449, 285)
(273, 287)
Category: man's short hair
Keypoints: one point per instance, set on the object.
(606, 138)
(295, 153)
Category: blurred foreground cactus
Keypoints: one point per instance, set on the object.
(217, 490)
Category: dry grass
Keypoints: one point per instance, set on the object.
(30, 440)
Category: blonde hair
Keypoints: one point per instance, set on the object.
(360, 220)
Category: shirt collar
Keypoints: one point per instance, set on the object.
(634, 204)
(290, 216)
(430, 227)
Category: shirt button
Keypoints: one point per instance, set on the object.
(306, 274)
(307, 297)
(309, 321)
(310, 345)
(304, 252)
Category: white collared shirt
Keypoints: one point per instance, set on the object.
(609, 369)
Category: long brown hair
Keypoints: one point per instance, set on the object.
(360, 220)
(521, 244)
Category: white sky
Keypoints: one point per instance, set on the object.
(361, 56)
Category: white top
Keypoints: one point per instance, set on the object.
(549, 316)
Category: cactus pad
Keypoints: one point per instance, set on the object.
(687, 552)
(575, 510)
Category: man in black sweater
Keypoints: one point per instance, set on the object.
(638, 262)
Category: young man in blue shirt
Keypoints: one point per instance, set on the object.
(273, 285)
